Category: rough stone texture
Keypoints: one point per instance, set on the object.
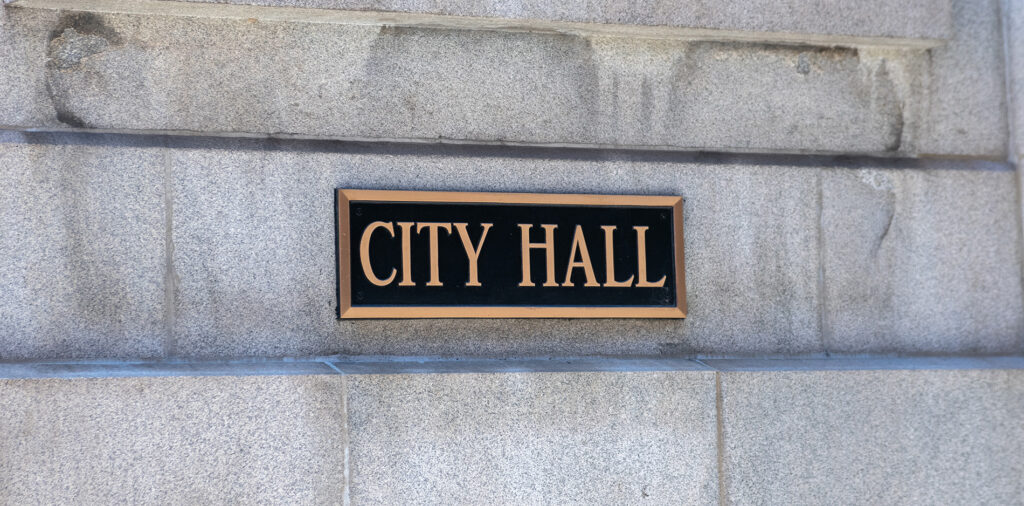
(824, 433)
(533, 438)
(254, 250)
(258, 77)
(922, 261)
(212, 440)
(873, 437)
(967, 101)
(919, 257)
(82, 248)
(24, 100)
(1013, 25)
(875, 18)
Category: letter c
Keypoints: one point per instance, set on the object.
(364, 253)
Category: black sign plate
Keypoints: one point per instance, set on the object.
(407, 254)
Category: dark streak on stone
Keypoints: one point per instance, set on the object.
(884, 92)
(885, 231)
(66, 49)
(896, 131)
(86, 23)
(673, 350)
(69, 118)
(64, 115)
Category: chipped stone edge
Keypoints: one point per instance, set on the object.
(440, 21)
(431, 365)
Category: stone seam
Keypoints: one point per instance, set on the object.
(423, 365)
(824, 326)
(346, 471)
(170, 276)
(1012, 127)
(723, 492)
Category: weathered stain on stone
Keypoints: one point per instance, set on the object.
(802, 66)
(69, 118)
(883, 92)
(86, 23)
(886, 205)
(674, 349)
(886, 97)
(896, 125)
(69, 49)
(60, 105)
(76, 37)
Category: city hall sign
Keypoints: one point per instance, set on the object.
(411, 254)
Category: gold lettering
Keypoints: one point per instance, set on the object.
(548, 245)
(435, 278)
(472, 253)
(641, 258)
(609, 259)
(406, 228)
(579, 244)
(364, 252)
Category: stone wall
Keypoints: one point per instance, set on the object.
(853, 238)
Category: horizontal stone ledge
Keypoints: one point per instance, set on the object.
(128, 69)
(434, 365)
(911, 24)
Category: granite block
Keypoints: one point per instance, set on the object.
(259, 77)
(530, 438)
(873, 437)
(24, 100)
(82, 254)
(205, 440)
(254, 251)
(966, 112)
(922, 261)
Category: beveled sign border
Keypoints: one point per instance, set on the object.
(347, 311)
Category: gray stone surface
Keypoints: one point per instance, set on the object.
(966, 113)
(211, 440)
(825, 432)
(1013, 23)
(873, 437)
(82, 248)
(254, 251)
(24, 100)
(533, 438)
(919, 257)
(874, 18)
(922, 261)
(1013, 26)
(328, 80)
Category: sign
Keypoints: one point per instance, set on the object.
(411, 254)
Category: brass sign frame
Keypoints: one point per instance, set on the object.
(347, 311)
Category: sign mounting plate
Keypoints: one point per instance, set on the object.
(417, 254)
